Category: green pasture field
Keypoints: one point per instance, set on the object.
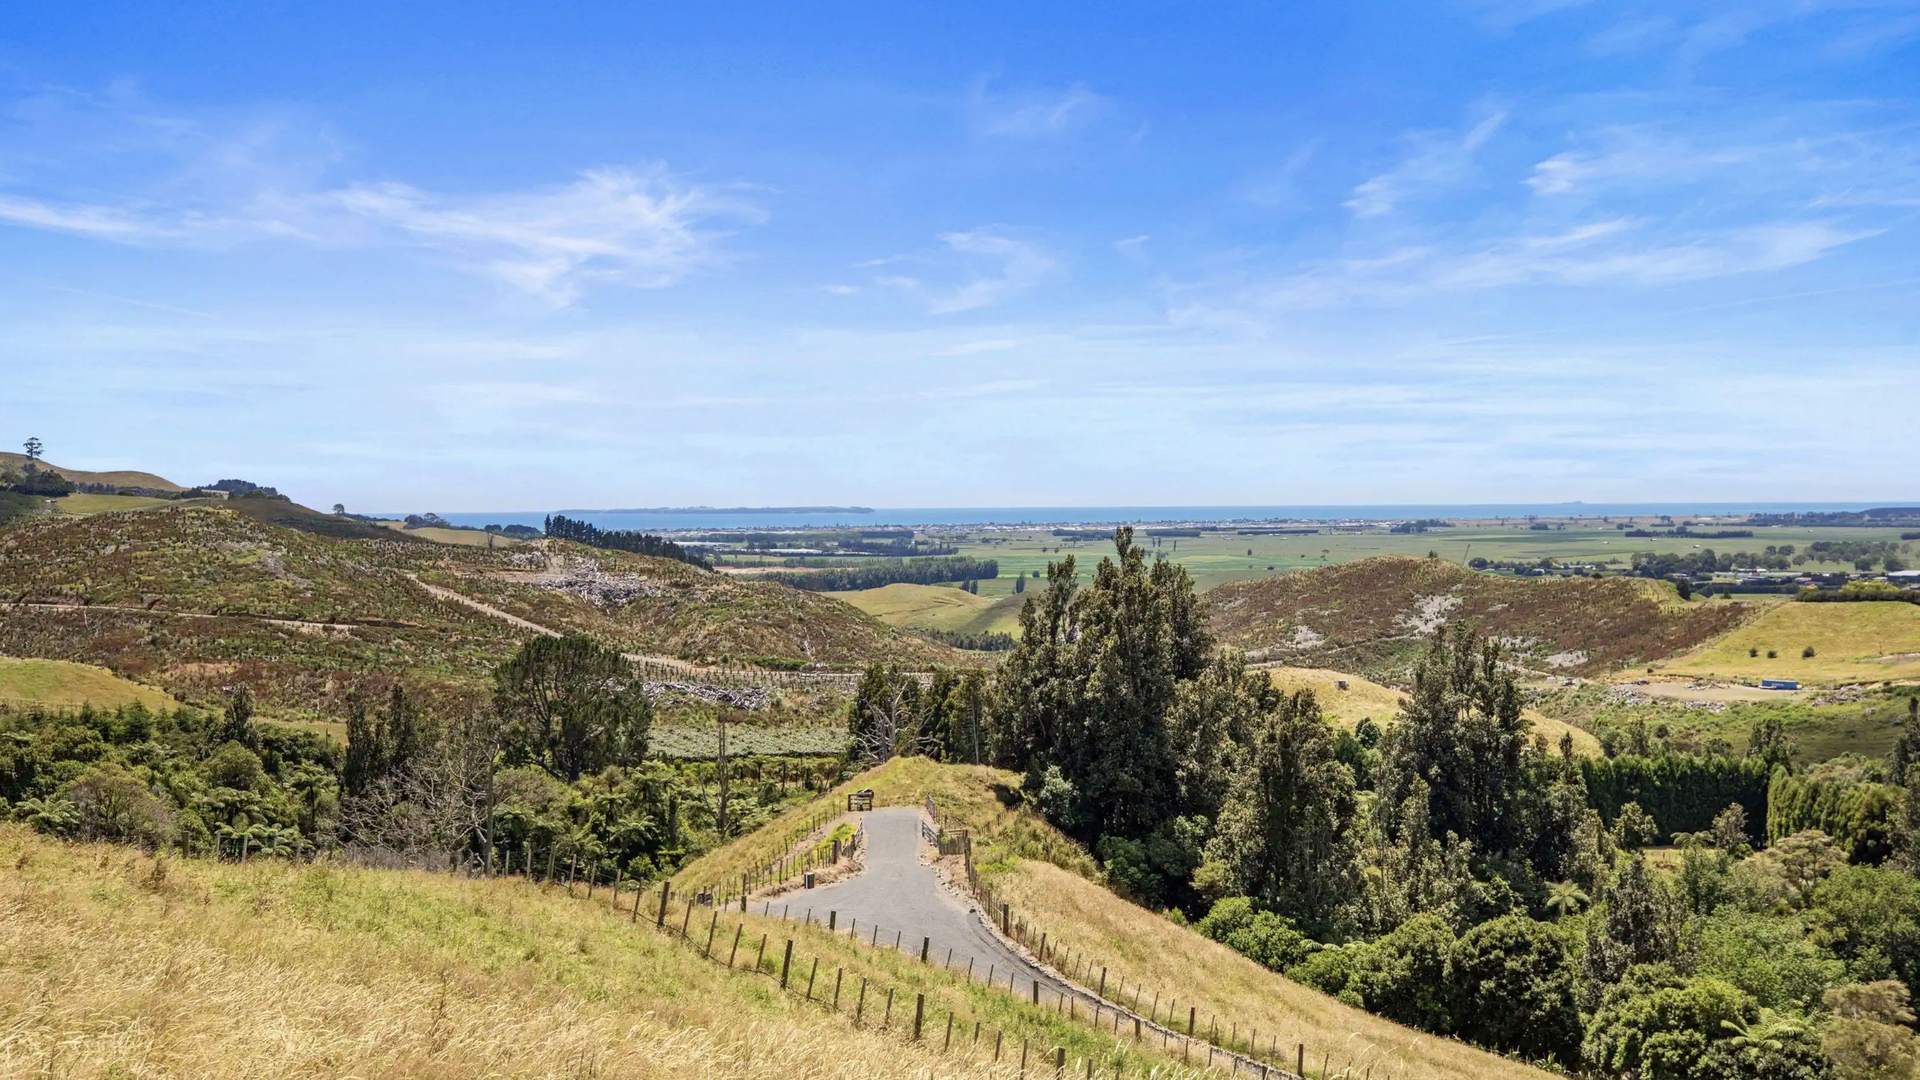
(1868, 725)
(1215, 558)
(59, 684)
(81, 503)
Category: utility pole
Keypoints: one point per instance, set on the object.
(720, 759)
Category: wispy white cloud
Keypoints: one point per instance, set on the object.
(636, 227)
(1610, 253)
(1432, 161)
(187, 184)
(1033, 114)
(1016, 265)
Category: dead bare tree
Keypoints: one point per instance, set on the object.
(891, 728)
(441, 805)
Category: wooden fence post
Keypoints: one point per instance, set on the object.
(737, 931)
(839, 973)
(919, 1011)
(1103, 982)
(810, 976)
(925, 944)
(785, 963)
(860, 1005)
(666, 887)
(1059, 1060)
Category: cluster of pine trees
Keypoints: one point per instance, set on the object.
(561, 527)
(879, 572)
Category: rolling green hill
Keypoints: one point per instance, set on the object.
(1851, 643)
(937, 607)
(1370, 616)
(117, 477)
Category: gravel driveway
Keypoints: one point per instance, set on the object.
(900, 897)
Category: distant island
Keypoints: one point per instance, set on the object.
(736, 510)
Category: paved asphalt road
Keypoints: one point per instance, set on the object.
(902, 897)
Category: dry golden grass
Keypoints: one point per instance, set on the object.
(1159, 957)
(114, 964)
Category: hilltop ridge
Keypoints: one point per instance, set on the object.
(1370, 616)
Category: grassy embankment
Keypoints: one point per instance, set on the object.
(113, 963)
(1053, 884)
(60, 684)
(1852, 643)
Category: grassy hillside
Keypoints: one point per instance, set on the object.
(936, 607)
(1051, 882)
(1364, 698)
(663, 607)
(59, 684)
(113, 963)
(117, 478)
(291, 515)
(1371, 616)
(1852, 643)
(82, 504)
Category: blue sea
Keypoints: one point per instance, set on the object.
(700, 518)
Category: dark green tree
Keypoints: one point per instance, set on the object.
(1285, 834)
(572, 706)
(1462, 735)
(1514, 985)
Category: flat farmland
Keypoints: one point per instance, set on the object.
(1215, 558)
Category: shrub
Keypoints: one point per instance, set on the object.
(1514, 989)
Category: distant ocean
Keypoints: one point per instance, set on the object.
(1105, 515)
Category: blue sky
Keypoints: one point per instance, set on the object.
(491, 256)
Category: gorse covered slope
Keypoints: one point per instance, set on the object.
(199, 597)
(1371, 616)
(663, 607)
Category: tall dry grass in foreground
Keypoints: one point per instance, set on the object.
(115, 964)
